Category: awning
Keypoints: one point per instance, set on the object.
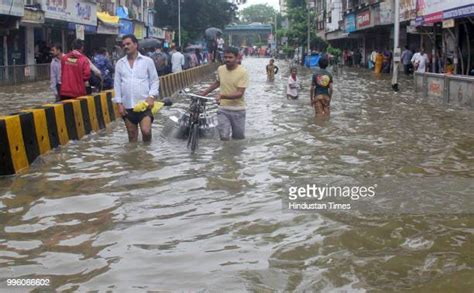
(108, 19)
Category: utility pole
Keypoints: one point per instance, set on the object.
(396, 49)
(309, 5)
(276, 39)
(179, 23)
(309, 31)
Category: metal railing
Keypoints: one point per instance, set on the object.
(449, 89)
(17, 74)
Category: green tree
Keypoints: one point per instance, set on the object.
(196, 16)
(298, 26)
(263, 13)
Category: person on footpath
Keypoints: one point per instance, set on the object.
(75, 72)
(177, 60)
(420, 61)
(232, 79)
(272, 69)
(293, 85)
(321, 89)
(406, 60)
(55, 72)
(136, 81)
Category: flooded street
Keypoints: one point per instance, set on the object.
(103, 214)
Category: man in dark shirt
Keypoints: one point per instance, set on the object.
(321, 89)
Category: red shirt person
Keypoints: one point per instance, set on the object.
(76, 71)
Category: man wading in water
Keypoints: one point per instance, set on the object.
(232, 79)
(136, 81)
(321, 90)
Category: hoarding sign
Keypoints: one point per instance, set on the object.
(386, 13)
(434, 17)
(12, 7)
(156, 32)
(427, 7)
(139, 30)
(77, 11)
(80, 32)
(126, 27)
(464, 11)
(407, 9)
(363, 19)
(448, 23)
(350, 23)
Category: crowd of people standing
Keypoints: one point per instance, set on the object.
(76, 74)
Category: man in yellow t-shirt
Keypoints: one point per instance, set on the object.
(232, 79)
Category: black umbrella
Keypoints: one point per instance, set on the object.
(149, 43)
(212, 32)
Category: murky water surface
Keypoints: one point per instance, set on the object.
(101, 214)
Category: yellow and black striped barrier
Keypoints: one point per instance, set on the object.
(33, 132)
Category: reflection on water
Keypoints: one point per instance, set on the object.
(102, 214)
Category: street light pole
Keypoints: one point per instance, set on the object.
(396, 49)
(276, 38)
(179, 23)
(309, 30)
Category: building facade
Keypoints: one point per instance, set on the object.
(442, 28)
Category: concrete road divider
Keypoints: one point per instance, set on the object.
(26, 135)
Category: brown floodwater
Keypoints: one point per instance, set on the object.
(102, 214)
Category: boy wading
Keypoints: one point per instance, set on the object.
(321, 90)
(232, 79)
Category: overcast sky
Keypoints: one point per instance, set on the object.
(273, 3)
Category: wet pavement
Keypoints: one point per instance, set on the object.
(102, 214)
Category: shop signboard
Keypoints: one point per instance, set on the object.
(350, 23)
(386, 13)
(458, 12)
(407, 10)
(363, 19)
(156, 32)
(448, 23)
(105, 29)
(33, 17)
(77, 11)
(139, 30)
(126, 27)
(433, 18)
(12, 7)
(80, 32)
(87, 28)
(428, 7)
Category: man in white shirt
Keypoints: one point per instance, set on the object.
(177, 61)
(136, 80)
(420, 61)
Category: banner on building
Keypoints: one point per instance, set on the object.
(126, 27)
(139, 30)
(448, 23)
(87, 28)
(77, 11)
(433, 18)
(407, 9)
(80, 32)
(156, 32)
(12, 7)
(363, 19)
(428, 7)
(105, 29)
(386, 13)
(464, 11)
(350, 23)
